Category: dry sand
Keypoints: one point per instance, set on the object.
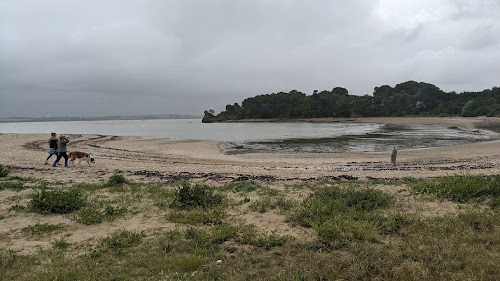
(146, 158)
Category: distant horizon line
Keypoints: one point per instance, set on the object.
(98, 118)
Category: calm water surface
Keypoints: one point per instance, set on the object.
(270, 137)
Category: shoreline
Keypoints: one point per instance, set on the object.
(163, 158)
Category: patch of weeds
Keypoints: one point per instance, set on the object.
(398, 223)
(196, 216)
(223, 232)
(116, 179)
(266, 191)
(13, 185)
(344, 229)
(40, 229)
(56, 201)
(329, 202)
(495, 202)
(4, 171)
(121, 239)
(266, 204)
(196, 196)
(17, 208)
(93, 215)
(89, 215)
(462, 189)
(267, 241)
(2, 217)
(60, 243)
(479, 221)
(242, 186)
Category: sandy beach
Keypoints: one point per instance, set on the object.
(163, 158)
(146, 159)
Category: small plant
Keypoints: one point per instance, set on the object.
(14, 185)
(42, 228)
(4, 171)
(263, 240)
(56, 201)
(121, 239)
(266, 204)
(60, 243)
(199, 195)
(88, 216)
(116, 179)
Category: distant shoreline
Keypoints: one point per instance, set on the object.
(101, 118)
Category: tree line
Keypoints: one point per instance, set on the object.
(406, 99)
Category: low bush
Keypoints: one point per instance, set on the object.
(266, 204)
(330, 202)
(267, 241)
(462, 189)
(14, 185)
(60, 243)
(42, 228)
(56, 201)
(116, 179)
(197, 196)
(121, 239)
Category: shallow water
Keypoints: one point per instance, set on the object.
(291, 137)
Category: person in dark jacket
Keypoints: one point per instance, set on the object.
(394, 155)
(52, 147)
(61, 148)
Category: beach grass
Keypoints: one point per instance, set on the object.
(354, 231)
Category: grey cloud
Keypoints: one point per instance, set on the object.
(185, 56)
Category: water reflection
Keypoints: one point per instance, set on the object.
(382, 139)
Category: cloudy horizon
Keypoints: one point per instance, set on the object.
(136, 57)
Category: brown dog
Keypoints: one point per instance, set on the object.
(80, 156)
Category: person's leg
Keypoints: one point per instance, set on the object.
(65, 155)
(59, 155)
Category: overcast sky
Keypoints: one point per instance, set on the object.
(128, 57)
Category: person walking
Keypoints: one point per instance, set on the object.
(52, 147)
(61, 148)
(394, 155)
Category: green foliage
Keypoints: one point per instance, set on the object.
(329, 202)
(194, 216)
(268, 203)
(14, 185)
(242, 186)
(121, 239)
(4, 171)
(116, 179)
(263, 240)
(56, 201)
(42, 228)
(92, 214)
(60, 243)
(461, 188)
(197, 196)
(405, 99)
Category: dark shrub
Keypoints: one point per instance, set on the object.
(199, 195)
(56, 201)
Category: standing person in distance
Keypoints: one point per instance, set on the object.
(52, 146)
(61, 147)
(394, 155)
